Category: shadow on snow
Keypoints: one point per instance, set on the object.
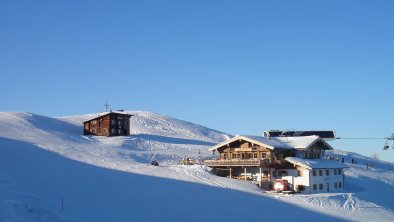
(93, 193)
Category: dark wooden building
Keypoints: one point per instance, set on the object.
(109, 124)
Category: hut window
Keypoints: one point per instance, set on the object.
(105, 130)
(335, 172)
(264, 155)
(225, 156)
(335, 185)
(113, 122)
(94, 122)
(234, 156)
(120, 131)
(321, 186)
(112, 130)
(314, 173)
(301, 187)
(327, 172)
(320, 172)
(314, 186)
(340, 185)
(255, 155)
(339, 171)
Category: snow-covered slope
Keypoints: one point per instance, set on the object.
(43, 159)
(154, 137)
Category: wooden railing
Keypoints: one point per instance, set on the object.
(248, 162)
(233, 162)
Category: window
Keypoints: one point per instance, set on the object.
(105, 130)
(265, 173)
(301, 187)
(113, 131)
(120, 131)
(264, 155)
(335, 172)
(314, 173)
(339, 171)
(321, 186)
(113, 122)
(320, 172)
(335, 185)
(94, 122)
(255, 155)
(340, 185)
(225, 156)
(327, 172)
(314, 187)
(234, 156)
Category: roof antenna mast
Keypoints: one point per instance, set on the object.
(106, 106)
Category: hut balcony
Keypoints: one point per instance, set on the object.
(234, 162)
(247, 162)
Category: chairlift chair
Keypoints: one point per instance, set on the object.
(386, 146)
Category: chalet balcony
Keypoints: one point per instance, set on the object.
(248, 162)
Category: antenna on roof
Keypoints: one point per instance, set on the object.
(106, 106)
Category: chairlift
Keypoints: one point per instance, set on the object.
(386, 146)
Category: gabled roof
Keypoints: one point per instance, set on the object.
(300, 142)
(315, 163)
(262, 141)
(108, 113)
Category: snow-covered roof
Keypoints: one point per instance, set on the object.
(314, 163)
(300, 142)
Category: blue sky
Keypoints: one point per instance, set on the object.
(236, 66)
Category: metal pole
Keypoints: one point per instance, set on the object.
(261, 178)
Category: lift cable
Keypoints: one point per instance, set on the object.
(362, 138)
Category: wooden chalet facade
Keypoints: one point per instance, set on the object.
(263, 159)
(109, 124)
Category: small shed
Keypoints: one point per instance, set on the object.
(108, 124)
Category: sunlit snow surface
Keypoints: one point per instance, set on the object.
(43, 159)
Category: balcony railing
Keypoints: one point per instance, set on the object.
(250, 162)
(247, 162)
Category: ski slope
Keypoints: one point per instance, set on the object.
(43, 160)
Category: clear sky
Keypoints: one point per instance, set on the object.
(241, 67)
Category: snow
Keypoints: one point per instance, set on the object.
(299, 142)
(315, 163)
(43, 159)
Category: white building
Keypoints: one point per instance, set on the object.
(316, 175)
